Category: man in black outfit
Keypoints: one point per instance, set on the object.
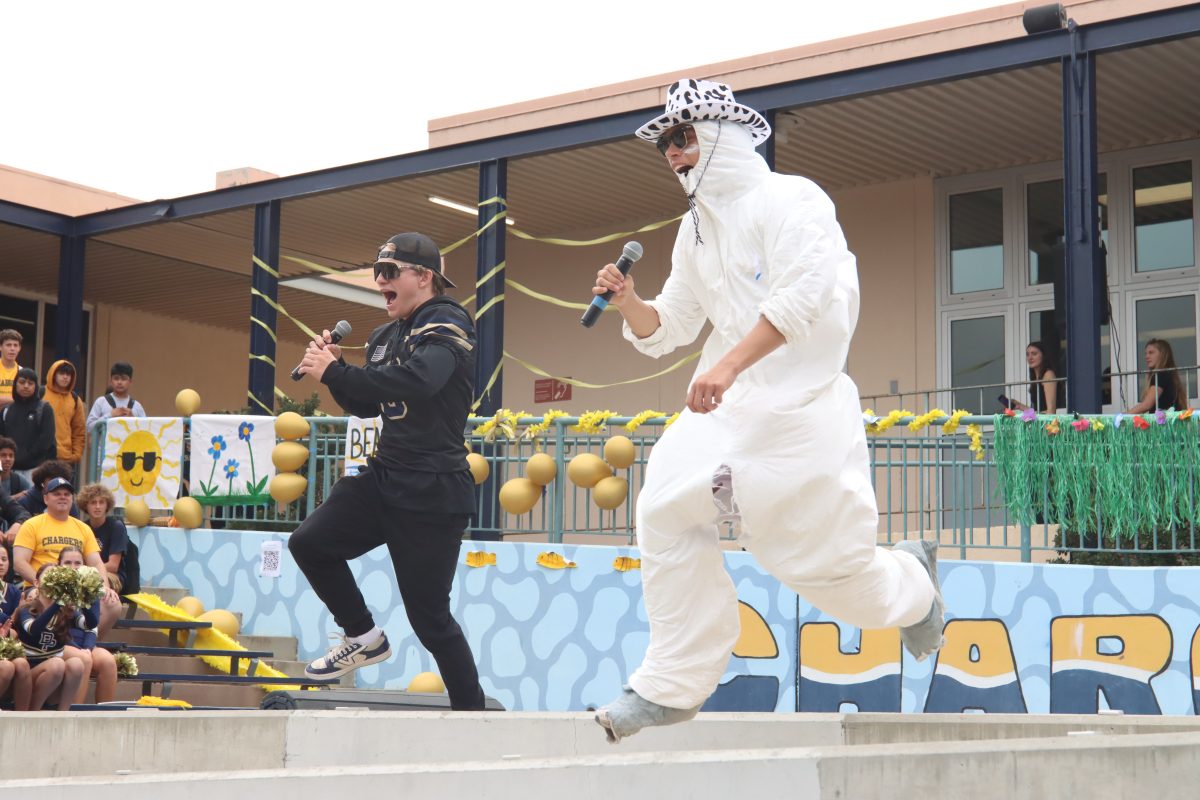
(416, 494)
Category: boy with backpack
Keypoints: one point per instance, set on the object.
(117, 402)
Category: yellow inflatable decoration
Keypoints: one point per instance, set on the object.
(587, 469)
(290, 425)
(287, 487)
(224, 621)
(137, 513)
(480, 468)
(427, 682)
(541, 469)
(610, 493)
(289, 456)
(187, 402)
(620, 452)
(190, 606)
(519, 495)
(188, 513)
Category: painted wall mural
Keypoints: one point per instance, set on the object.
(562, 631)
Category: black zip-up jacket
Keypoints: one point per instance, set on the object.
(30, 423)
(419, 376)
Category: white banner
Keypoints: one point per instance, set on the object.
(360, 442)
(231, 459)
(142, 459)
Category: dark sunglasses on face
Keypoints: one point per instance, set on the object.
(677, 137)
(389, 271)
(129, 460)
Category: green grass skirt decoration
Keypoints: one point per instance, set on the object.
(1117, 480)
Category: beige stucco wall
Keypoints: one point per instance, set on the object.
(170, 354)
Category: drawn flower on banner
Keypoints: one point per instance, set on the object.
(231, 469)
(217, 446)
(244, 430)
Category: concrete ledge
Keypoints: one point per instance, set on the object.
(1166, 765)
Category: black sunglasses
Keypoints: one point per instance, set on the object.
(129, 460)
(676, 136)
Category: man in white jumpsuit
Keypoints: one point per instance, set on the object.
(772, 437)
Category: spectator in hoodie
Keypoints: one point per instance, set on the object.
(16, 484)
(69, 412)
(29, 421)
(117, 402)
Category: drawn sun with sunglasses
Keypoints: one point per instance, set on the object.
(138, 462)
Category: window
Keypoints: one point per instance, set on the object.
(1174, 320)
(977, 241)
(1044, 227)
(977, 359)
(35, 321)
(1162, 217)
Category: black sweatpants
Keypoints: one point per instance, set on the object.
(354, 520)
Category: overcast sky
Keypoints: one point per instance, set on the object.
(151, 99)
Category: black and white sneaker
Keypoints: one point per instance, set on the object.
(348, 656)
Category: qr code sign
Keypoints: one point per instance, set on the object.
(272, 556)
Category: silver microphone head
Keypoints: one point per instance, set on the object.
(632, 251)
(342, 329)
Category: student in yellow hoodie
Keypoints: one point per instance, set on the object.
(69, 412)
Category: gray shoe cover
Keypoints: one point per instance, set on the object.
(925, 638)
(630, 712)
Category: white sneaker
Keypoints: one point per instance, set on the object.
(348, 656)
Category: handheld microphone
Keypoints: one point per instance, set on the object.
(631, 253)
(339, 332)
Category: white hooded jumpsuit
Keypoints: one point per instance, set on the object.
(790, 428)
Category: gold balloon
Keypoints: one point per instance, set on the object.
(587, 469)
(427, 682)
(610, 493)
(137, 513)
(620, 452)
(188, 513)
(290, 425)
(187, 402)
(480, 468)
(287, 487)
(224, 621)
(190, 606)
(541, 469)
(289, 456)
(519, 495)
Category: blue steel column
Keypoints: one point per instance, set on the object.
(1083, 262)
(68, 325)
(262, 336)
(489, 322)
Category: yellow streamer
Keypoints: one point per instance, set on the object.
(585, 385)
(497, 299)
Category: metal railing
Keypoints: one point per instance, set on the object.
(928, 484)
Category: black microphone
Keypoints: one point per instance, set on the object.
(631, 253)
(339, 332)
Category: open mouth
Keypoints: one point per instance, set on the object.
(389, 297)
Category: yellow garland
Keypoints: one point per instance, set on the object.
(925, 419)
(641, 418)
(593, 421)
(879, 426)
(952, 424)
(504, 422)
(538, 428)
(976, 434)
(671, 420)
